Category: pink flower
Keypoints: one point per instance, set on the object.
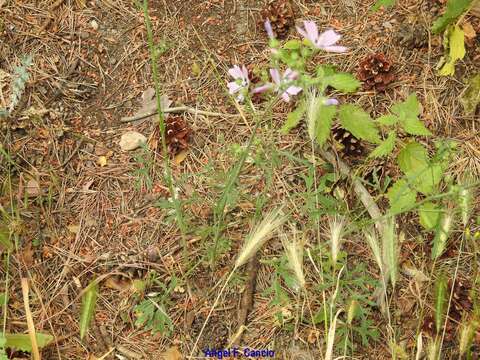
(241, 82)
(279, 84)
(268, 29)
(331, 101)
(324, 41)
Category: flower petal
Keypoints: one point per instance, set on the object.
(275, 76)
(285, 97)
(335, 49)
(233, 87)
(302, 32)
(245, 74)
(268, 29)
(312, 30)
(328, 38)
(235, 72)
(290, 74)
(331, 101)
(262, 89)
(293, 90)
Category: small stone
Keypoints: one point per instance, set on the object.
(131, 140)
(94, 25)
(33, 188)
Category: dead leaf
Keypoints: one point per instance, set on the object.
(27, 255)
(182, 155)
(469, 31)
(32, 188)
(118, 283)
(102, 161)
(149, 103)
(172, 354)
(74, 229)
(132, 140)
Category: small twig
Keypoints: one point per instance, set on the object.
(30, 323)
(359, 189)
(179, 109)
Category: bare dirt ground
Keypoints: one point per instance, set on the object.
(94, 212)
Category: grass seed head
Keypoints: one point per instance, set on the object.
(259, 236)
(337, 225)
(294, 251)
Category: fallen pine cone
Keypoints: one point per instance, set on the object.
(376, 72)
(177, 134)
(281, 16)
(349, 145)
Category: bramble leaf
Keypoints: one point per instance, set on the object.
(293, 118)
(429, 214)
(355, 120)
(344, 82)
(454, 9)
(385, 147)
(401, 197)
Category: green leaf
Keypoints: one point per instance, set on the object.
(401, 197)
(471, 97)
(429, 214)
(408, 112)
(415, 127)
(89, 302)
(385, 3)
(324, 123)
(385, 147)
(412, 159)
(358, 123)
(454, 9)
(22, 342)
(441, 297)
(456, 41)
(292, 45)
(427, 181)
(293, 118)
(326, 70)
(387, 120)
(344, 82)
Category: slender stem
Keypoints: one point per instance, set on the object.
(178, 109)
(161, 123)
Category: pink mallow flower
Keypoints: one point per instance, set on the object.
(241, 82)
(325, 41)
(268, 29)
(280, 82)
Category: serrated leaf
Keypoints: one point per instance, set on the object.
(441, 297)
(401, 197)
(387, 120)
(89, 302)
(293, 118)
(415, 127)
(385, 147)
(427, 181)
(454, 9)
(324, 123)
(343, 82)
(22, 342)
(412, 159)
(326, 70)
(456, 42)
(380, 3)
(429, 214)
(358, 123)
(471, 97)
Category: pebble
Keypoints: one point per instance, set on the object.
(94, 25)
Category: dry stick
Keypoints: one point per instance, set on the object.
(359, 189)
(179, 109)
(246, 303)
(31, 325)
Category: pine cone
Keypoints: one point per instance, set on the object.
(376, 72)
(281, 16)
(462, 300)
(350, 146)
(177, 134)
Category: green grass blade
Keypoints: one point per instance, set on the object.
(89, 302)
(441, 297)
